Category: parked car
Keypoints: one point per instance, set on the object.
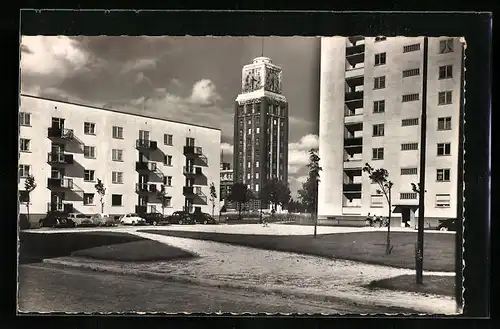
(79, 219)
(203, 218)
(181, 217)
(155, 218)
(55, 219)
(447, 225)
(102, 219)
(132, 219)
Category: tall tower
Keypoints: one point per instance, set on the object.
(260, 126)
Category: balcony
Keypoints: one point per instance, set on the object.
(145, 166)
(146, 188)
(352, 187)
(60, 207)
(146, 144)
(63, 133)
(353, 96)
(59, 158)
(66, 183)
(353, 163)
(353, 141)
(193, 151)
(192, 171)
(188, 191)
(141, 209)
(353, 117)
(355, 50)
(353, 72)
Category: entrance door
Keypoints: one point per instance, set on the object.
(405, 216)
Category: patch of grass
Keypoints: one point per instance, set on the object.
(137, 251)
(432, 284)
(34, 247)
(366, 247)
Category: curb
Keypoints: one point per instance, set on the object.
(350, 301)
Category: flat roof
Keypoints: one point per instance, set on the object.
(117, 111)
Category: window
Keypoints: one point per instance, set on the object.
(249, 164)
(379, 82)
(89, 128)
(380, 59)
(257, 130)
(25, 145)
(410, 98)
(117, 155)
(444, 123)
(256, 187)
(257, 164)
(167, 180)
(443, 148)
(24, 119)
(446, 46)
(248, 186)
(378, 130)
(249, 131)
(446, 72)
(411, 73)
(410, 48)
(24, 196)
(89, 152)
(409, 122)
(168, 139)
(168, 201)
(378, 153)
(167, 160)
(408, 171)
(88, 199)
(116, 200)
(443, 200)
(24, 170)
(409, 146)
(248, 176)
(379, 106)
(256, 175)
(407, 196)
(444, 97)
(190, 140)
(117, 177)
(143, 135)
(377, 200)
(443, 175)
(117, 132)
(378, 39)
(89, 175)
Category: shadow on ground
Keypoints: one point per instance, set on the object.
(432, 284)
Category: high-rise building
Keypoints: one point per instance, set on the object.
(67, 147)
(260, 126)
(226, 182)
(370, 112)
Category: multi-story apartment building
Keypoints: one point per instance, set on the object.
(260, 126)
(226, 182)
(140, 160)
(370, 111)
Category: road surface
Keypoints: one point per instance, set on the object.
(52, 288)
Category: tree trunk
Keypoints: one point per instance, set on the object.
(388, 248)
(315, 216)
(28, 208)
(239, 210)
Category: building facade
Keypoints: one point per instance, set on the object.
(260, 126)
(370, 112)
(140, 160)
(226, 182)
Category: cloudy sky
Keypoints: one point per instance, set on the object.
(191, 79)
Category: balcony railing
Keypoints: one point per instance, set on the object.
(146, 144)
(56, 132)
(192, 171)
(193, 150)
(59, 207)
(201, 195)
(352, 187)
(144, 165)
(354, 50)
(146, 188)
(353, 95)
(60, 158)
(353, 141)
(60, 182)
(188, 191)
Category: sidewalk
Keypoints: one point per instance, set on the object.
(286, 273)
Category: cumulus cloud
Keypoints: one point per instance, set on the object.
(57, 56)
(226, 148)
(295, 184)
(142, 64)
(204, 93)
(298, 152)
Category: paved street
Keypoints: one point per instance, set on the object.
(48, 288)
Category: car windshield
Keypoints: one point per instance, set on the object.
(81, 216)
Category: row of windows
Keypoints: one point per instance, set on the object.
(445, 72)
(443, 149)
(444, 98)
(442, 200)
(443, 124)
(116, 200)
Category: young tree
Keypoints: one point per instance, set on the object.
(101, 190)
(213, 197)
(29, 186)
(314, 169)
(380, 177)
(239, 194)
(275, 192)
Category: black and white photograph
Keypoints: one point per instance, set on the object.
(203, 174)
